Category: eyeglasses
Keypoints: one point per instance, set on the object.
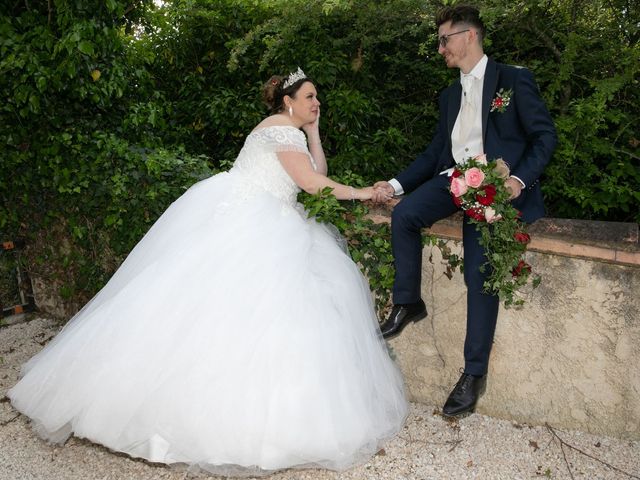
(444, 39)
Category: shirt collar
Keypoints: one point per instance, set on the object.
(478, 71)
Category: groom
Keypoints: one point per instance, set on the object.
(520, 132)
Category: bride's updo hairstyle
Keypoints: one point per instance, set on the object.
(274, 90)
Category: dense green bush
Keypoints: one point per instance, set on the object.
(586, 57)
(379, 75)
(110, 109)
(85, 169)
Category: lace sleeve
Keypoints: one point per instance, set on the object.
(282, 139)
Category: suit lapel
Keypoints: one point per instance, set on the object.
(488, 90)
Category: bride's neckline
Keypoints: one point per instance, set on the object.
(258, 129)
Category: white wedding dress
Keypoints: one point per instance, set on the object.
(237, 337)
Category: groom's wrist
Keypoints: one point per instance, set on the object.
(397, 188)
(518, 179)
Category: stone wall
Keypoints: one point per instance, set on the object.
(570, 357)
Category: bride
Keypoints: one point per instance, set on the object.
(238, 336)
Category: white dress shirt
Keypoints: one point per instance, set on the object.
(463, 148)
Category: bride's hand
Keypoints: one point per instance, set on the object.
(366, 193)
(312, 129)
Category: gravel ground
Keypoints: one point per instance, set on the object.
(429, 447)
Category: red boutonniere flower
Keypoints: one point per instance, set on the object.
(502, 100)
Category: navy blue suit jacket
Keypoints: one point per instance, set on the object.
(523, 135)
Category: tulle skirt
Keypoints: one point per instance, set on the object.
(237, 337)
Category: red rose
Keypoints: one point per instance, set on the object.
(457, 201)
(476, 213)
(455, 174)
(486, 195)
(521, 268)
(522, 238)
(498, 102)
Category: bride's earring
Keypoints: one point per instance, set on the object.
(290, 111)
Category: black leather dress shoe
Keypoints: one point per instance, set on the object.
(465, 395)
(401, 315)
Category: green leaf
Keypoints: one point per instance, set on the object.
(86, 47)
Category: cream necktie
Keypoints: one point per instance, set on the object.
(468, 107)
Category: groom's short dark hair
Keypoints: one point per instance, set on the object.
(461, 14)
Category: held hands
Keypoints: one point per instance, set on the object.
(383, 192)
(373, 194)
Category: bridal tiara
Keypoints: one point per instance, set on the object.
(293, 78)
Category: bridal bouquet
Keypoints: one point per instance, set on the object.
(478, 187)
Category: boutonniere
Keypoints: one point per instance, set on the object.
(502, 100)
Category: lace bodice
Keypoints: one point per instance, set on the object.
(258, 166)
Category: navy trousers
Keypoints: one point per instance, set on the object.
(421, 208)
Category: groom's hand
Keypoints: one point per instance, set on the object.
(514, 187)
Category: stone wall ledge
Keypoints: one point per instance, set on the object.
(612, 242)
(568, 357)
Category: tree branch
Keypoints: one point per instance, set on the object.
(7, 422)
(565, 444)
(546, 39)
(619, 150)
(129, 9)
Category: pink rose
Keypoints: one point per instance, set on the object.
(490, 215)
(474, 177)
(482, 158)
(458, 186)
